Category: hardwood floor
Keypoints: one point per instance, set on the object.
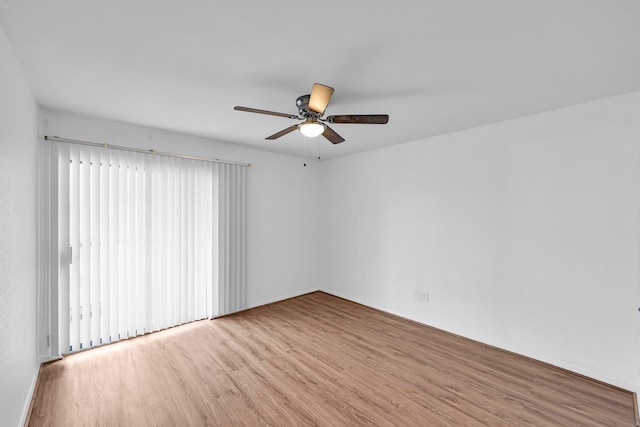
(316, 360)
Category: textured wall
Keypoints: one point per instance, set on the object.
(18, 202)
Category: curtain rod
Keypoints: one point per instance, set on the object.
(139, 150)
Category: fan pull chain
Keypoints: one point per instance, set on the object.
(317, 149)
(304, 153)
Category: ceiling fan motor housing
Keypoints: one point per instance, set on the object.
(303, 105)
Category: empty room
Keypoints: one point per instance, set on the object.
(225, 213)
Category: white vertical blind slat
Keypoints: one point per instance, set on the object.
(141, 247)
(123, 248)
(184, 250)
(163, 249)
(94, 246)
(190, 238)
(148, 248)
(59, 254)
(74, 243)
(84, 219)
(228, 308)
(240, 237)
(114, 245)
(172, 244)
(104, 261)
(213, 300)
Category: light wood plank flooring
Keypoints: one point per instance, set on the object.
(316, 360)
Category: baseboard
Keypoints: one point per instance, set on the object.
(271, 301)
(28, 404)
(282, 298)
(47, 359)
(568, 367)
(635, 401)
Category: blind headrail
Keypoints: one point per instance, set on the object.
(139, 150)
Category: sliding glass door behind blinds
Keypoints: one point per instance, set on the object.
(141, 234)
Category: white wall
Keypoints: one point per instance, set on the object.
(524, 233)
(18, 264)
(282, 209)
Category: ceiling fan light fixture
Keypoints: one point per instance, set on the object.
(311, 129)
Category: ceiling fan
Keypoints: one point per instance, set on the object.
(311, 109)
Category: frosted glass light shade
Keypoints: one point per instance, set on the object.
(311, 129)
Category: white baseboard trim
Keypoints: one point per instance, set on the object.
(47, 359)
(281, 298)
(270, 301)
(30, 395)
(637, 393)
(598, 376)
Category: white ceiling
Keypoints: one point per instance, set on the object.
(434, 66)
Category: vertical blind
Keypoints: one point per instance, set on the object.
(153, 242)
(231, 235)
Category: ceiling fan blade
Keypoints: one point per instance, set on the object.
(283, 132)
(320, 97)
(331, 135)
(271, 113)
(364, 119)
